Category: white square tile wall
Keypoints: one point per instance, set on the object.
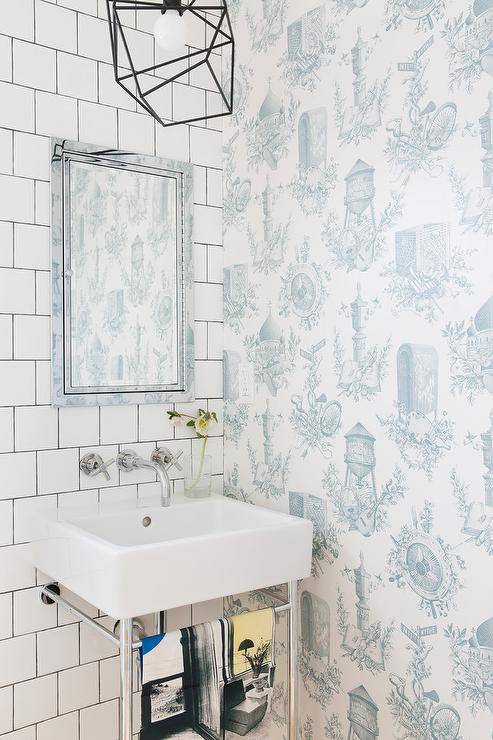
(58, 681)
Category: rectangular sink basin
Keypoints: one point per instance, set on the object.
(137, 559)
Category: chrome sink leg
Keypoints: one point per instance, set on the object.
(126, 678)
(293, 661)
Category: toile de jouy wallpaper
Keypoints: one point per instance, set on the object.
(359, 346)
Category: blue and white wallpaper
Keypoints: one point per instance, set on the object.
(359, 346)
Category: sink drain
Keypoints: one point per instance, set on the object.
(147, 521)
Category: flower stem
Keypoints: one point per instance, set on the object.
(201, 465)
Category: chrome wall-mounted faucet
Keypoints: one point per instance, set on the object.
(161, 461)
(93, 464)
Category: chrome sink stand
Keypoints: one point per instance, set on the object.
(50, 594)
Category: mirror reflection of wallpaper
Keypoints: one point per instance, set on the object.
(124, 277)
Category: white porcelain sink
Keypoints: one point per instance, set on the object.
(190, 552)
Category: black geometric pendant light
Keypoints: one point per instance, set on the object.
(208, 58)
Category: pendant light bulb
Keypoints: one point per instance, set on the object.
(170, 31)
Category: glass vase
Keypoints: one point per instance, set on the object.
(198, 476)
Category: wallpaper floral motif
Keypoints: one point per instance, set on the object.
(359, 345)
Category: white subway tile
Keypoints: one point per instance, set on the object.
(202, 77)
(215, 341)
(30, 614)
(102, 718)
(19, 21)
(17, 659)
(43, 294)
(17, 383)
(94, 646)
(173, 142)
(56, 115)
(16, 199)
(17, 291)
(110, 93)
(200, 185)
(76, 499)
(58, 649)
(215, 264)
(32, 156)
(200, 336)
(141, 47)
(206, 147)
(64, 617)
(28, 733)
(6, 337)
(77, 76)
(78, 687)
(42, 202)
(200, 262)
(25, 526)
(79, 426)
(214, 188)
(145, 21)
(98, 124)
(196, 32)
(188, 102)
(5, 58)
(94, 39)
(15, 570)
(6, 523)
(6, 426)
(34, 66)
(127, 17)
(208, 301)
(6, 709)
(6, 151)
(31, 247)
(5, 616)
(154, 422)
(118, 494)
(65, 727)
(43, 382)
(214, 106)
(208, 226)
(32, 337)
(6, 244)
(118, 424)
(136, 132)
(56, 26)
(58, 471)
(109, 678)
(17, 474)
(17, 109)
(208, 379)
(35, 701)
(36, 428)
(85, 6)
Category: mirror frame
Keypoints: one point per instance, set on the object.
(63, 152)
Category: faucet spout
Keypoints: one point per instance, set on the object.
(163, 478)
(129, 460)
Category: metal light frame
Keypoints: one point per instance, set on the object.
(222, 37)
